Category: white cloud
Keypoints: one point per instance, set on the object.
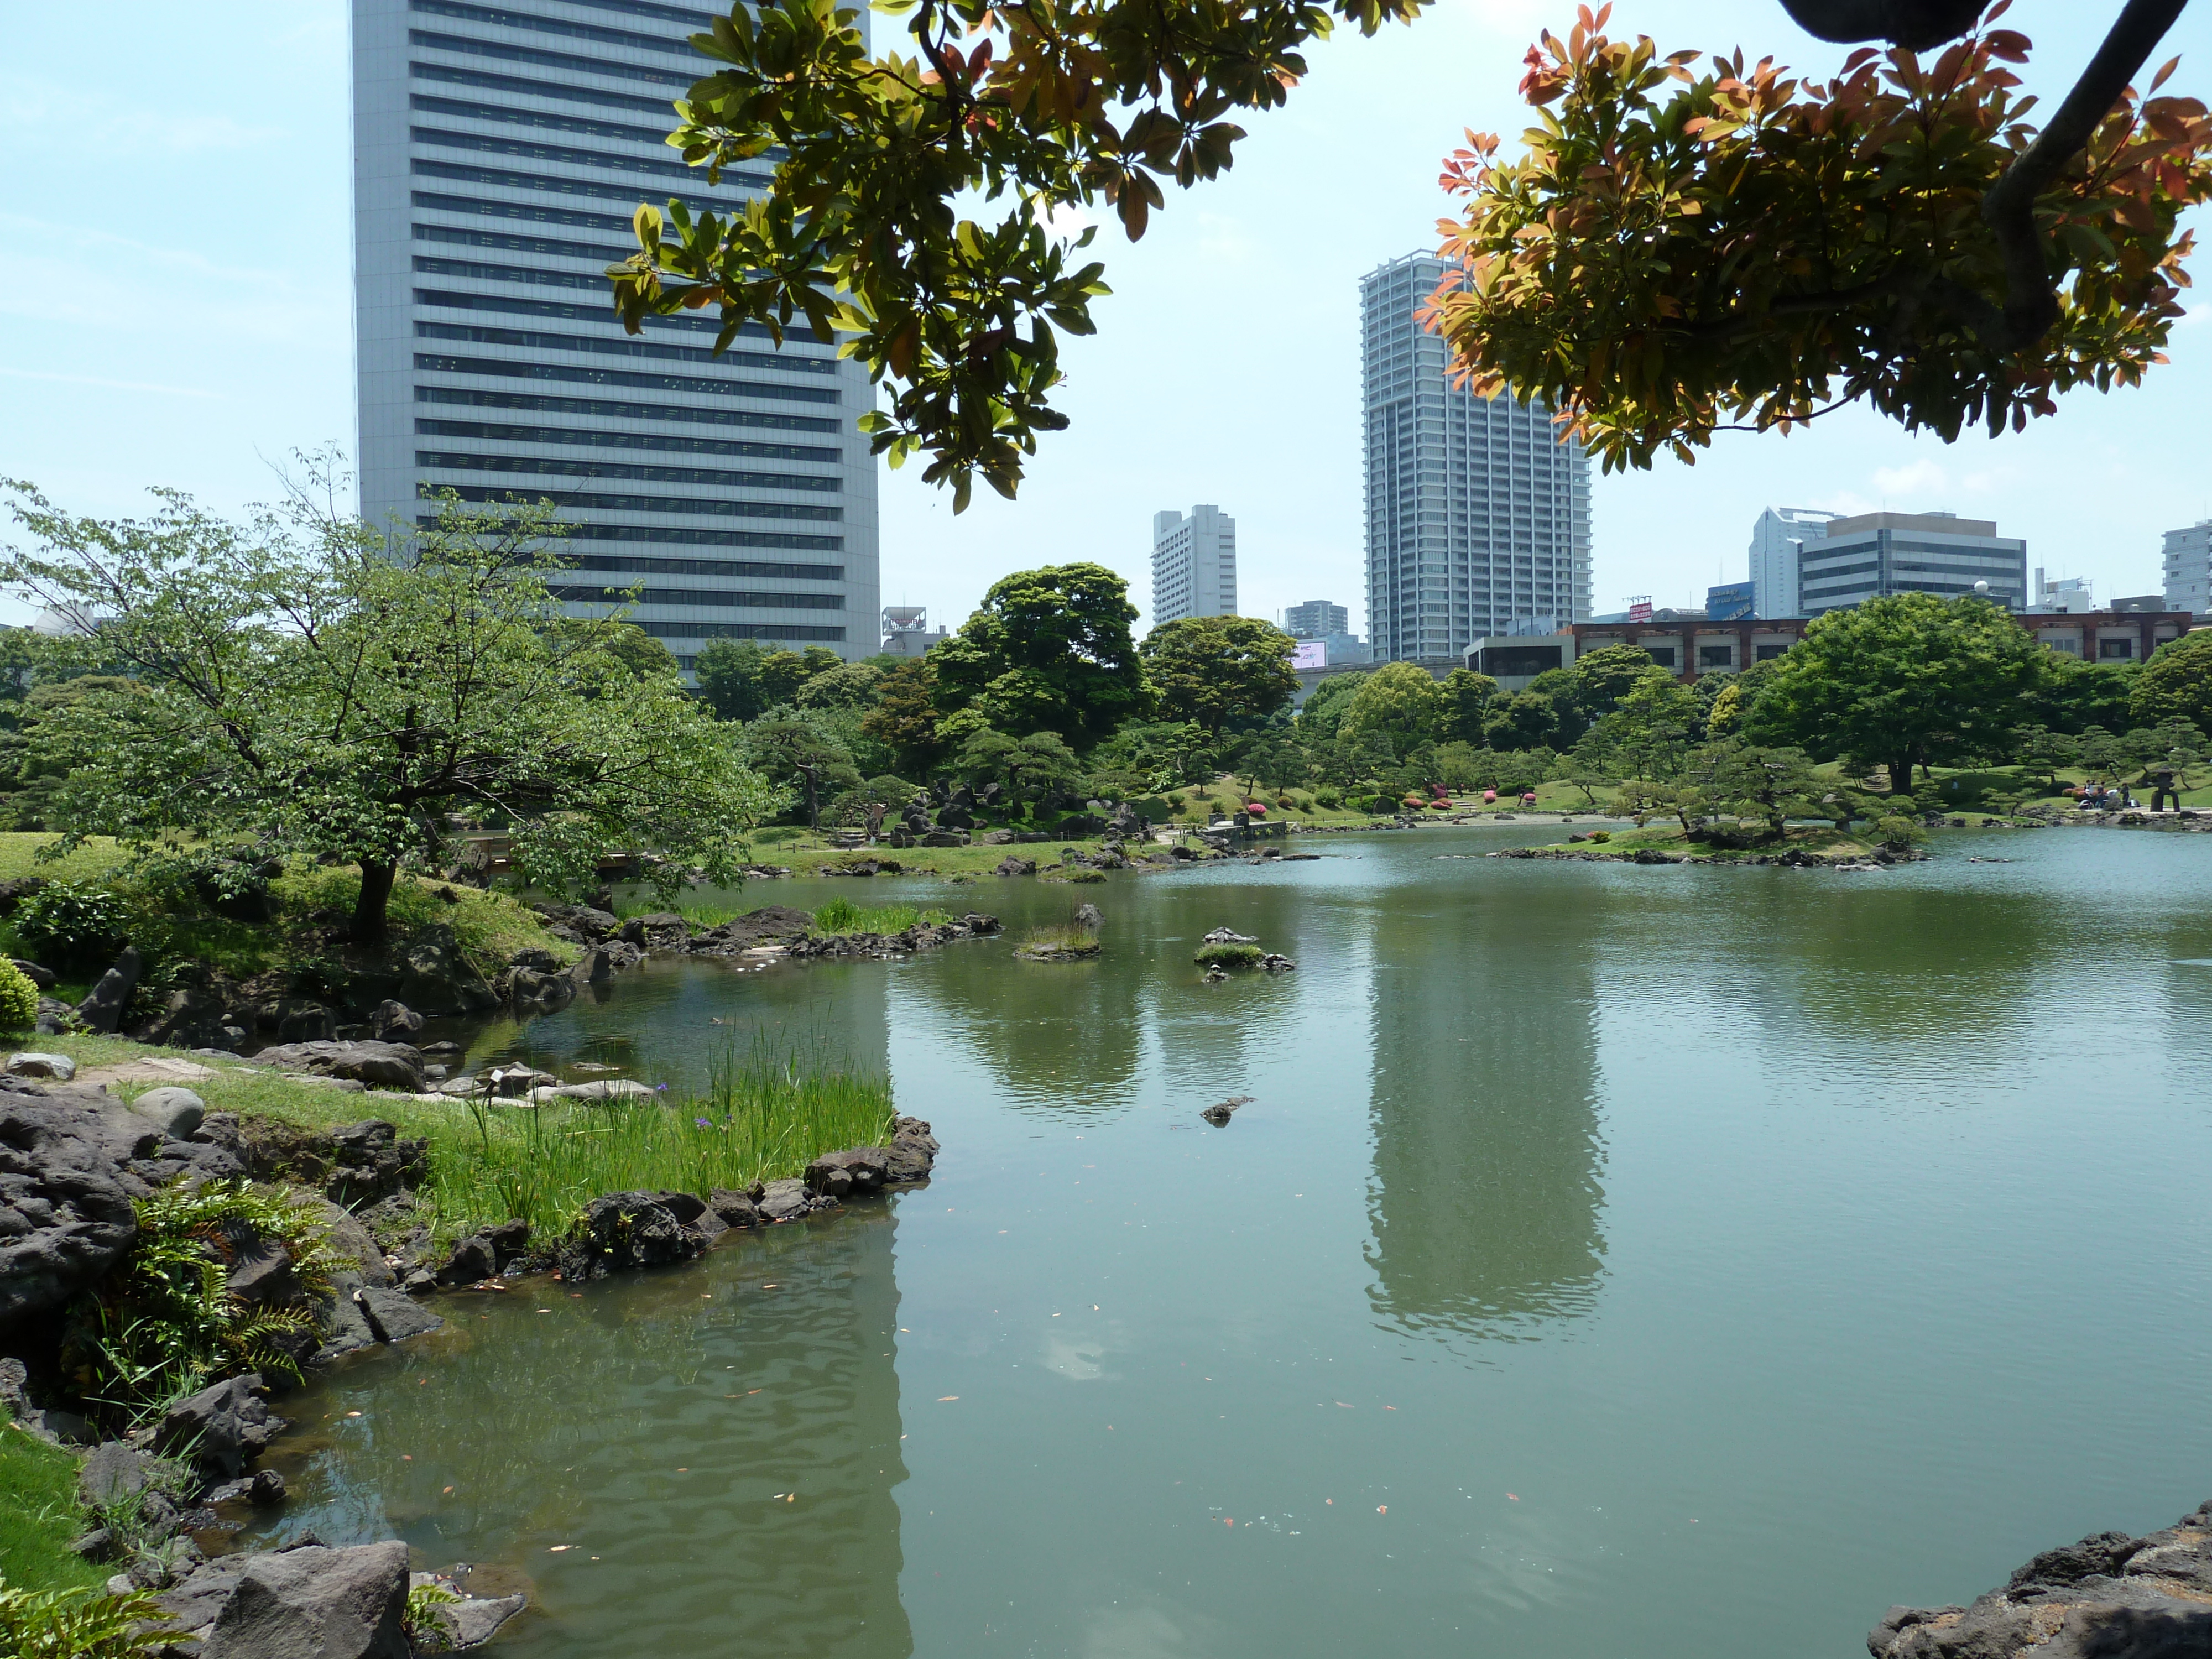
(33, 104)
(107, 385)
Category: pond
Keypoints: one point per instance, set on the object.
(1610, 1260)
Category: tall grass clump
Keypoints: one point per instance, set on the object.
(762, 1117)
(1228, 955)
(842, 915)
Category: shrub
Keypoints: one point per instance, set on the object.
(1328, 800)
(1084, 877)
(1228, 955)
(1600, 834)
(80, 1624)
(19, 999)
(73, 925)
(1897, 834)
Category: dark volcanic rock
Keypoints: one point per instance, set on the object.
(103, 1009)
(395, 1022)
(629, 1230)
(357, 1164)
(391, 1065)
(219, 1428)
(394, 1316)
(64, 1210)
(306, 1602)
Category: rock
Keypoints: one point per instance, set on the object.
(436, 978)
(1218, 1116)
(913, 1151)
(1228, 936)
(266, 1490)
(944, 838)
(358, 1163)
(394, 1316)
(1087, 915)
(261, 1275)
(594, 967)
(390, 1064)
(535, 956)
(473, 1261)
(622, 1231)
(103, 1009)
(15, 889)
(65, 1214)
(308, 1602)
(60, 1067)
(664, 930)
(510, 1081)
(1012, 866)
(861, 1170)
(176, 1112)
(55, 1018)
(995, 838)
(786, 1200)
(534, 989)
(300, 1020)
(606, 1087)
(1277, 964)
(475, 1620)
(395, 1022)
(93, 1546)
(735, 1209)
(113, 1471)
(339, 1319)
(219, 1428)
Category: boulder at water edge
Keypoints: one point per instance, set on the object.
(306, 1602)
(389, 1065)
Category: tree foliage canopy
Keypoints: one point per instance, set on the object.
(1210, 669)
(1048, 651)
(1677, 251)
(2176, 683)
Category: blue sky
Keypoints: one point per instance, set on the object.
(175, 308)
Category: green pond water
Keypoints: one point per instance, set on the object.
(1612, 1261)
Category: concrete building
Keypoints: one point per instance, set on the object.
(1478, 517)
(907, 632)
(498, 155)
(1193, 565)
(1316, 619)
(1732, 601)
(1875, 554)
(1775, 542)
(2068, 595)
(2188, 568)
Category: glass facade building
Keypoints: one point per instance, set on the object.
(499, 152)
(1873, 554)
(1478, 517)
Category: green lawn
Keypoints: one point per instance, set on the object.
(39, 1516)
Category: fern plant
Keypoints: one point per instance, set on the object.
(426, 1630)
(79, 1624)
(164, 1322)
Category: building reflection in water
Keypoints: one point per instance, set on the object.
(1488, 1198)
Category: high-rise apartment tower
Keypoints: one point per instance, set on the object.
(1477, 516)
(499, 152)
(1775, 540)
(1316, 619)
(1193, 565)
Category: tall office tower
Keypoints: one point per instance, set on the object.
(1316, 619)
(1193, 565)
(2188, 568)
(499, 153)
(1478, 518)
(1874, 554)
(1775, 541)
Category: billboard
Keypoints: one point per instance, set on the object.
(1310, 653)
(1640, 611)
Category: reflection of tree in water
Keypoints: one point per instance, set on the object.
(1487, 1155)
(609, 1425)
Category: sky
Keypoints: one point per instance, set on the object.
(175, 308)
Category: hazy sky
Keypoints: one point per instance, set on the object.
(175, 308)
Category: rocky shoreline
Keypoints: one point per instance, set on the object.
(1795, 858)
(2109, 1597)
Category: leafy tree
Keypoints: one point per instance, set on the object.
(1458, 766)
(1467, 702)
(1400, 704)
(1031, 767)
(904, 717)
(1591, 765)
(1322, 716)
(1903, 681)
(1749, 779)
(1210, 669)
(1150, 757)
(1652, 728)
(1678, 252)
(848, 685)
(1603, 677)
(796, 749)
(645, 656)
(330, 692)
(728, 672)
(1049, 651)
(1656, 270)
(2176, 683)
(2078, 695)
(1525, 720)
(2046, 750)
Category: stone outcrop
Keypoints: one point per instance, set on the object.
(387, 1064)
(308, 1602)
(220, 1427)
(922, 936)
(622, 1231)
(2109, 1597)
(355, 1164)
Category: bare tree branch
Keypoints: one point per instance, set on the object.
(2030, 307)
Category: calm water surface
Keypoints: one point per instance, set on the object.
(1612, 1262)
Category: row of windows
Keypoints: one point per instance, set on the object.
(456, 461)
(530, 210)
(590, 375)
(567, 311)
(424, 103)
(449, 74)
(725, 598)
(504, 179)
(718, 568)
(599, 408)
(567, 62)
(516, 242)
(499, 17)
(596, 501)
(583, 435)
(622, 346)
(672, 535)
(661, 630)
(592, 282)
(563, 155)
(684, 15)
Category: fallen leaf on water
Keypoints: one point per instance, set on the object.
(555, 1549)
(686, 1469)
(353, 1413)
(1228, 1519)
(1516, 1497)
(792, 1498)
(406, 1457)
(1382, 1509)
(942, 1398)
(1328, 1500)
(1346, 1404)
(448, 1489)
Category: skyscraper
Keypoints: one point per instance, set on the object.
(1775, 541)
(498, 155)
(1478, 518)
(1316, 619)
(1874, 554)
(1193, 565)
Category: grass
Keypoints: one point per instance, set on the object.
(842, 915)
(1228, 955)
(39, 1514)
(1067, 936)
(1667, 837)
(769, 1116)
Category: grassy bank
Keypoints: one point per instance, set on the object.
(763, 1116)
(1668, 838)
(39, 1515)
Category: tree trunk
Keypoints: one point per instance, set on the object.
(1900, 776)
(813, 799)
(371, 910)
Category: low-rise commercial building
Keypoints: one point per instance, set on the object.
(1875, 554)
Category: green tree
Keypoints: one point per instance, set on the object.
(1524, 720)
(728, 672)
(2176, 683)
(1213, 670)
(328, 691)
(2045, 751)
(1320, 716)
(2078, 695)
(1049, 651)
(848, 685)
(1656, 271)
(1030, 766)
(1652, 726)
(1749, 779)
(904, 717)
(1467, 697)
(1399, 704)
(1903, 681)
(796, 749)
(1603, 677)
(1592, 764)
